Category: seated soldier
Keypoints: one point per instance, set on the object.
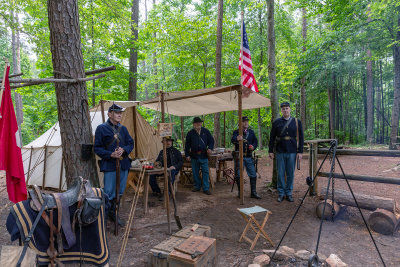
(174, 164)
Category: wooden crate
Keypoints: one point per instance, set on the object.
(181, 255)
(158, 255)
(202, 230)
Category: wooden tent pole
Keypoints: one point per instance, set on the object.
(29, 166)
(102, 110)
(224, 129)
(182, 132)
(241, 147)
(240, 91)
(136, 138)
(44, 167)
(166, 191)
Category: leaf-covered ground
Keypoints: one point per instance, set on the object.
(346, 237)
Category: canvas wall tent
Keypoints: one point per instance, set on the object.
(51, 173)
(206, 101)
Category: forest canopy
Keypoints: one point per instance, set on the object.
(337, 62)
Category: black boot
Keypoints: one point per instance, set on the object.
(237, 181)
(253, 185)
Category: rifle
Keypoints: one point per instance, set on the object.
(117, 176)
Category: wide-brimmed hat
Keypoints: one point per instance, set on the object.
(115, 108)
(197, 119)
(168, 138)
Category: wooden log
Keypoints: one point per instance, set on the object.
(15, 75)
(328, 209)
(383, 222)
(362, 152)
(367, 202)
(364, 178)
(54, 80)
(91, 72)
(96, 71)
(318, 141)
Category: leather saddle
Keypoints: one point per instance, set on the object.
(88, 207)
(69, 197)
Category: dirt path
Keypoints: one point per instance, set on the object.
(346, 237)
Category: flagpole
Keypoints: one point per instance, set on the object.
(240, 91)
(4, 78)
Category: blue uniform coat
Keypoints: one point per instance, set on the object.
(104, 146)
(251, 138)
(194, 144)
(286, 146)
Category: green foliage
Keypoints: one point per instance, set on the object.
(177, 52)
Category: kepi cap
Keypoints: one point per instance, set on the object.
(115, 108)
(245, 118)
(285, 104)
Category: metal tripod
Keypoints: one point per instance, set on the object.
(314, 260)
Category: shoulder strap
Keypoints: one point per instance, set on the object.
(116, 132)
(28, 238)
(201, 139)
(286, 125)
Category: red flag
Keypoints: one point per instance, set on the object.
(10, 147)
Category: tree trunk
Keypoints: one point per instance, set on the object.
(364, 86)
(133, 51)
(16, 58)
(272, 74)
(259, 120)
(16, 51)
(155, 60)
(260, 143)
(218, 67)
(331, 100)
(382, 105)
(72, 98)
(303, 80)
(379, 120)
(93, 58)
(370, 100)
(396, 97)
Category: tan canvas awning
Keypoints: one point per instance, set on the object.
(206, 101)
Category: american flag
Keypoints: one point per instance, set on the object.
(247, 79)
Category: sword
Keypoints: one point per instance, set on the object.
(298, 162)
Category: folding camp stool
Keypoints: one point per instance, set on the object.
(248, 216)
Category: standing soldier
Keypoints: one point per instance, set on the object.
(249, 145)
(107, 136)
(199, 143)
(286, 142)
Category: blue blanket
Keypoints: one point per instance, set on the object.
(94, 241)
